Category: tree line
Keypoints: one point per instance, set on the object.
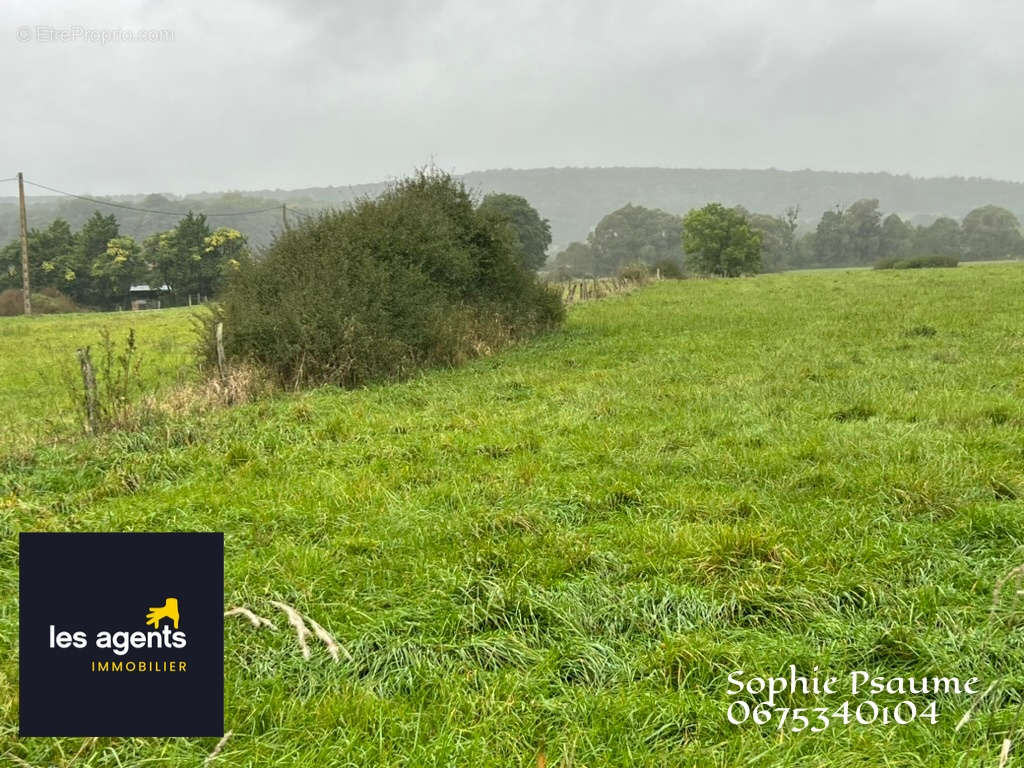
(859, 236)
(142, 219)
(855, 236)
(575, 198)
(97, 265)
(572, 198)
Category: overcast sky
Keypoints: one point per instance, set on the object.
(292, 94)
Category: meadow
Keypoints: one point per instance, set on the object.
(39, 369)
(558, 554)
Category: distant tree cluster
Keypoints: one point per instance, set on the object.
(710, 240)
(860, 236)
(96, 266)
(632, 234)
(259, 228)
(726, 241)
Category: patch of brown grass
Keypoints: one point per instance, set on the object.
(241, 384)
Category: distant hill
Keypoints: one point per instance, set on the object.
(575, 199)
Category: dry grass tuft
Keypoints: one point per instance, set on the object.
(1015, 578)
(242, 384)
(301, 630)
(302, 633)
(332, 645)
(1004, 755)
(216, 750)
(256, 620)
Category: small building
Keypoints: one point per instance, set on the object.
(144, 296)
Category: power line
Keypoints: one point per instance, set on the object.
(300, 213)
(13, 178)
(148, 210)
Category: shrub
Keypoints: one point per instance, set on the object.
(917, 262)
(49, 302)
(416, 277)
(109, 400)
(10, 303)
(638, 272)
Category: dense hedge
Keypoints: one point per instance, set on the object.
(917, 262)
(416, 277)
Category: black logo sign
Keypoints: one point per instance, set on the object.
(122, 634)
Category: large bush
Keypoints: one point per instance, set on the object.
(416, 277)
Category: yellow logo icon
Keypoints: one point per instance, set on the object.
(169, 610)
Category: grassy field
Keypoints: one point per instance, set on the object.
(568, 547)
(38, 359)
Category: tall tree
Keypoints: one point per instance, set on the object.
(862, 232)
(224, 250)
(992, 232)
(791, 218)
(634, 233)
(777, 240)
(719, 241)
(114, 271)
(533, 232)
(897, 238)
(940, 238)
(91, 243)
(829, 239)
(849, 237)
(177, 256)
(50, 253)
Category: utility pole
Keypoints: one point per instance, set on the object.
(284, 214)
(24, 246)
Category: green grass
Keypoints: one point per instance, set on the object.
(569, 546)
(37, 358)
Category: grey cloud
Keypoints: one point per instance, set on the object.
(260, 94)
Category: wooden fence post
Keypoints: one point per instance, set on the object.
(89, 386)
(221, 364)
